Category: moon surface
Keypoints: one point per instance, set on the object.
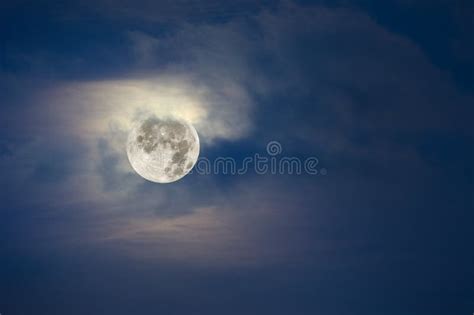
(162, 150)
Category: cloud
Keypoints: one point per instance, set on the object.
(119, 102)
(218, 229)
(349, 88)
(314, 78)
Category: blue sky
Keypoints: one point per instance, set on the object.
(380, 93)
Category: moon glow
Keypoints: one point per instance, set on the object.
(162, 150)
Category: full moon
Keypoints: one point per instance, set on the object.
(162, 150)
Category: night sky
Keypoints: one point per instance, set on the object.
(380, 92)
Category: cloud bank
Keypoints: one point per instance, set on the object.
(319, 79)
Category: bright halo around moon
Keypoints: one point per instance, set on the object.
(162, 150)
